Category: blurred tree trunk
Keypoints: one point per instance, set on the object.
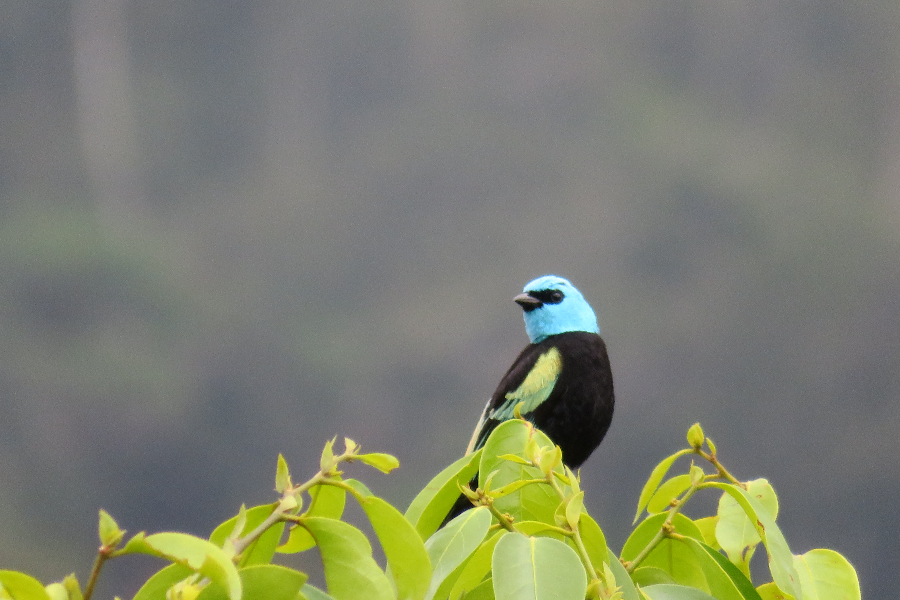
(106, 124)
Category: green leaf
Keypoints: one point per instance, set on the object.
(532, 502)
(671, 556)
(108, 529)
(536, 568)
(725, 581)
(826, 575)
(326, 461)
(383, 462)
(20, 586)
(735, 533)
(482, 591)
(450, 546)
(478, 566)
(593, 539)
(406, 556)
(707, 526)
(282, 476)
(574, 509)
(645, 576)
(623, 579)
(674, 592)
(326, 501)
(261, 551)
(271, 582)
(781, 561)
(200, 555)
(656, 476)
(311, 592)
(431, 505)
(668, 491)
(350, 571)
(155, 587)
(55, 591)
(770, 591)
(72, 587)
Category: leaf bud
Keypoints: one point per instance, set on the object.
(695, 436)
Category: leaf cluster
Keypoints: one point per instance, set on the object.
(527, 536)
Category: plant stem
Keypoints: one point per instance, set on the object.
(102, 557)
(664, 531)
(722, 471)
(576, 534)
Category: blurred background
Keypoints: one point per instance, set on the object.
(233, 229)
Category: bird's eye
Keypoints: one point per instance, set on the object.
(556, 297)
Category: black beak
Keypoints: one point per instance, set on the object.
(528, 303)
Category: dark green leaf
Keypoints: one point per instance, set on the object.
(725, 581)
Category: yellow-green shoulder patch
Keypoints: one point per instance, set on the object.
(536, 386)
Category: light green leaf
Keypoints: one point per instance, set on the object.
(350, 571)
(671, 556)
(108, 529)
(55, 591)
(826, 575)
(200, 555)
(20, 586)
(282, 475)
(430, 506)
(383, 462)
(656, 476)
(674, 592)
(532, 502)
(535, 569)
(271, 582)
(707, 526)
(668, 491)
(478, 566)
(326, 461)
(261, 551)
(770, 591)
(781, 561)
(155, 587)
(574, 508)
(450, 546)
(735, 533)
(405, 552)
(326, 501)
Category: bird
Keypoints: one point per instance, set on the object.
(562, 380)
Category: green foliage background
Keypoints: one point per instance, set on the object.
(229, 230)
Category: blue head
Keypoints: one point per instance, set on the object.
(552, 305)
